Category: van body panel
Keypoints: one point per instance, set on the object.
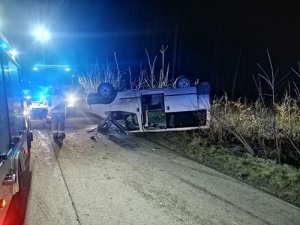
(158, 110)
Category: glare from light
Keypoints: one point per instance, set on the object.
(41, 34)
(1, 24)
(3, 45)
(13, 53)
(67, 69)
(42, 97)
(2, 203)
(35, 68)
(71, 100)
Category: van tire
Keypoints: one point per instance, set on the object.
(106, 92)
(183, 81)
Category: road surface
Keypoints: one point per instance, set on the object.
(94, 179)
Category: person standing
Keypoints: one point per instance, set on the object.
(58, 114)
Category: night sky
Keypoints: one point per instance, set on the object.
(210, 40)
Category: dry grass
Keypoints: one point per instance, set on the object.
(271, 132)
(153, 76)
(282, 181)
(104, 74)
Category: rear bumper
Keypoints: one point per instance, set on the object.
(38, 113)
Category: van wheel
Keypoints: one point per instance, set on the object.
(182, 82)
(106, 90)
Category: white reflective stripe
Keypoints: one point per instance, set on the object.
(61, 132)
(55, 131)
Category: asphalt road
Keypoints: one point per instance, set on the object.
(94, 179)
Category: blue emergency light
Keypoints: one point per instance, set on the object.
(42, 96)
(4, 43)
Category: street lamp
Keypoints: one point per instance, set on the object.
(42, 35)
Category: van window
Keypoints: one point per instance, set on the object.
(128, 121)
(186, 119)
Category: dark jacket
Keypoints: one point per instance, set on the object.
(57, 104)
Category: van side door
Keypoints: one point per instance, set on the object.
(153, 111)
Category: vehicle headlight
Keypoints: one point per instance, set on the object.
(71, 100)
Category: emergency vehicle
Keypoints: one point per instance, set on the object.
(36, 102)
(15, 133)
(182, 107)
(39, 85)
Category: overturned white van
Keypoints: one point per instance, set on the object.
(183, 107)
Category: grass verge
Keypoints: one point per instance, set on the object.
(282, 181)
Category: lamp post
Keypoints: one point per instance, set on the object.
(42, 35)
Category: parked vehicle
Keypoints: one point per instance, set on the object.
(38, 86)
(183, 107)
(15, 133)
(36, 102)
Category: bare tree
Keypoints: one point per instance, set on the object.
(97, 75)
(273, 84)
(164, 73)
(151, 68)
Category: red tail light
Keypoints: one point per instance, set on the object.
(2, 203)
